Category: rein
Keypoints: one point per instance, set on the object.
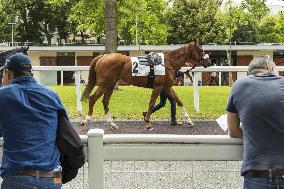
(189, 69)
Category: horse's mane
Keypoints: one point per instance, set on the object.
(180, 51)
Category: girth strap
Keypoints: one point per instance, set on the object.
(151, 77)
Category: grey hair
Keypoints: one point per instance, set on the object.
(260, 64)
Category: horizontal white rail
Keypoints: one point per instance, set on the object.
(61, 68)
(166, 138)
(143, 147)
(197, 69)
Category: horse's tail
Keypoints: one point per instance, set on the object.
(92, 79)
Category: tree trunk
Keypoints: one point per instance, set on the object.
(47, 34)
(110, 26)
(48, 40)
(82, 37)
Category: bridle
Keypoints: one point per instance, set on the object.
(201, 60)
(187, 52)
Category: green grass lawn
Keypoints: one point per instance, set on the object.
(129, 102)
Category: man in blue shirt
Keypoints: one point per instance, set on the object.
(255, 113)
(28, 124)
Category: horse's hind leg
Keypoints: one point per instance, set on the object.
(174, 96)
(108, 115)
(93, 99)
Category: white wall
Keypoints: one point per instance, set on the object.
(45, 78)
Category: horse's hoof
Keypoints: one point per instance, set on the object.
(114, 127)
(149, 128)
(190, 124)
(174, 123)
(89, 118)
(144, 116)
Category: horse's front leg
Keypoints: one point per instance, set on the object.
(155, 93)
(174, 96)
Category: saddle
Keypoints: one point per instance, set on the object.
(151, 59)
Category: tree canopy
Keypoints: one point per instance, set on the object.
(195, 18)
(152, 22)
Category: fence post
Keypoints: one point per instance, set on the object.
(220, 78)
(95, 159)
(78, 91)
(61, 76)
(195, 94)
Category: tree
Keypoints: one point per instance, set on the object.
(62, 10)
(257, 9)
(232, 18)
(148, 14)
(267, 30)
(280, 27)
(36, 19)
(142, 21)
(42, 15)
(219, 2)
(5, 28)
(88, 17)
(254, 10)
(242, 22)
(27, 30)
(195, 18)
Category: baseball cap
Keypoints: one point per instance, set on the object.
(18, 62)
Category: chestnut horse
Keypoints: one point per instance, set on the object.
(106, 70)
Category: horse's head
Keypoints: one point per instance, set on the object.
(198, 55)
(4, 55)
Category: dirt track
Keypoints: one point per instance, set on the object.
(160, 127)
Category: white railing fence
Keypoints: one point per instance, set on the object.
(130, 147)
(79, 69)
(76, 69)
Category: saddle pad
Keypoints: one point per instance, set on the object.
(142, 70)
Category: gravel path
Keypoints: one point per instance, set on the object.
(160, 127)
